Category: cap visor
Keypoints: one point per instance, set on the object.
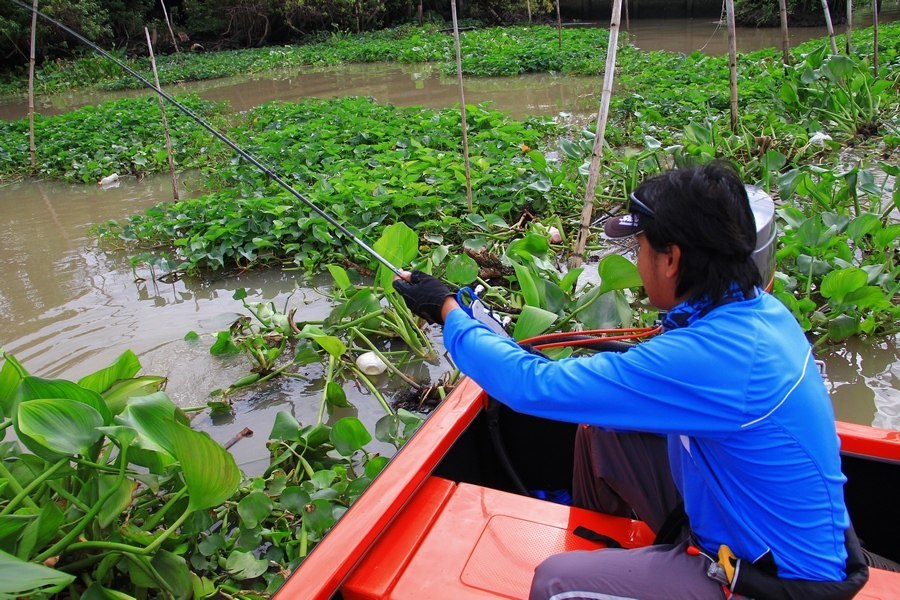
(622, 227)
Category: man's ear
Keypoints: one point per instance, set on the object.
(673, 260)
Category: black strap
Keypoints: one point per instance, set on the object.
(673, 529)
(590, 534)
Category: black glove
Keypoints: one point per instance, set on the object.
(424, 295)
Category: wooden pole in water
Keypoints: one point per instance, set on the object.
(875, 37)
(169, 25)
(31, 56)
(849, 44)
(462, 105)
(165, 124)
(785, 39)
(829, 26)
(732, 63)
(559, 24)
(587, 210)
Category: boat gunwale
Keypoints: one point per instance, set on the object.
(329, 564)
(320, 575)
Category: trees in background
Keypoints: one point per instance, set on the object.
(764, 13)
(219, 24)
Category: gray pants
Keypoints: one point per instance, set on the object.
(625, 474)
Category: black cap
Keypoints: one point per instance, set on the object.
(624, 226)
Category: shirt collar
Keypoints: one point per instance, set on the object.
(695, 309)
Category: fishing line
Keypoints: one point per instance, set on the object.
(222, 137)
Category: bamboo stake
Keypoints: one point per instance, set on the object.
(829, 26)
(559, 24)
(849, 45)
(462, 105)
(165, 124)
(875, 37)
(732, 63)
(528, 6)
(31, 146)
(785, 39)
(587, 210)
(421, 13)
(627, 22)
(169, 25)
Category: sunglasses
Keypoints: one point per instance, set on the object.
(635, 205)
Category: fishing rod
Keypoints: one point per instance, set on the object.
(221, 136)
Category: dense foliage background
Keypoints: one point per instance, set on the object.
(220, 24)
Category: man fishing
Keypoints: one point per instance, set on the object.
(725, 413)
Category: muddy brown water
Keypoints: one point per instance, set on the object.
(71, 307)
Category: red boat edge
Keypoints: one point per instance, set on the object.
(329, 565)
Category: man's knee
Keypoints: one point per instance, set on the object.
(569, 573)
(547, 578)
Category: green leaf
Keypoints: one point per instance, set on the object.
(202, 587)
(330, 344)
(286, 427)
(173, 571)
(863, 225)
(570, 279)
(121, 392)
(191, 336)
(349, 435)
(399, 245)
(462, 270)
(254, 508)
(124, 367)
(10, 376)
(39, 532)
(842, 327)
(527, 284)
(59, 425)
(340, 277)
(528, 246)
(375, 465)
(867, 297)
(149, 416)
(773, 160)
(335, 395)
(244, 565)
(19, 578)
(209, 470)
(32, 388)
(318, 516)
(294, 499)
(837, 284)
(618, 273)
(118, 502)
(533, 321)
(11, 526)
(98, 592)
(224, 346)
(602, 313)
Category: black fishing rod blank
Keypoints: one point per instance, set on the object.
(221, 136)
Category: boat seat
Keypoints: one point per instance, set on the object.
(459, 541)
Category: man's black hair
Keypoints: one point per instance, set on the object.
(706, 211)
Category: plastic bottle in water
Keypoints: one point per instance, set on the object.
(109, 180)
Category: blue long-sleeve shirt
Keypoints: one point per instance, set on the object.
(751, 436)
